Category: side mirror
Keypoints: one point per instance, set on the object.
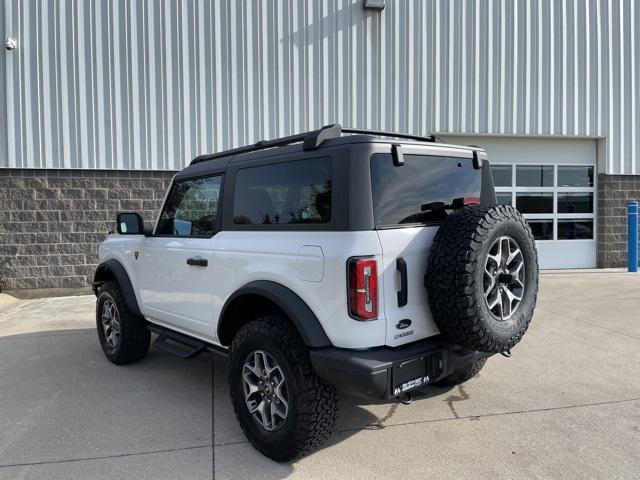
(130, 223)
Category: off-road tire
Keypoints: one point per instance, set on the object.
(462, 374)
(455, 277)
(134, 336)
(313, 404)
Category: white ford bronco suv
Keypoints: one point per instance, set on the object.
(370, 263)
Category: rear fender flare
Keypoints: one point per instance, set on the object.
(288, 301)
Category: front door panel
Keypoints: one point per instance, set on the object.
(173, 292)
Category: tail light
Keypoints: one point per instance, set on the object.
(363, 288)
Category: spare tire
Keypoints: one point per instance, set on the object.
(482, 277)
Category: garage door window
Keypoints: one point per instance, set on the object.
(558, 201)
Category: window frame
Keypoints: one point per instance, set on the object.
(339, 169)
(556, 190)
(168, 194)
(417, 150)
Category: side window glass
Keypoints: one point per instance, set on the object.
(191, 208)
(296, 192)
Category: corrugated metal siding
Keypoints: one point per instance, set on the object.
(150, 84)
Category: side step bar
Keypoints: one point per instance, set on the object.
(178, 344)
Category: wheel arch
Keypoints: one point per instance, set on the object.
(259, 295)
(114, 270)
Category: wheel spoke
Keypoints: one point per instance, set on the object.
(277, 409)
(492, 284)
(249, 380)
(496, 301)
(259, 362)
(264, 418)
(253, 370)
(512, 255)
(497, 256)
(513, 296)
(253, 405)
(278, 391)
(506, 304)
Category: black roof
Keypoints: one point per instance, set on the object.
(310, 140)
(327, 136)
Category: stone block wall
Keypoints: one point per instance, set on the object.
(51, 221)
(614, 191)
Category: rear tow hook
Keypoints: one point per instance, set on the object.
(405, 398)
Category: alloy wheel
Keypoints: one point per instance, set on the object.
(110, 323)
(504, 279)
(265, 390)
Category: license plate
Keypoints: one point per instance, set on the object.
(411, 384)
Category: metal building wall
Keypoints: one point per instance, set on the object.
(148, 84)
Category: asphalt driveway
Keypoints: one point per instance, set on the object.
(566, 405)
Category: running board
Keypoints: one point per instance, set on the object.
(177, 344)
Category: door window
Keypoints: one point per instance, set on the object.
(191, 208)
(558, 201)
(289, 193)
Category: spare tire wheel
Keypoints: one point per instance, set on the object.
(482, 277)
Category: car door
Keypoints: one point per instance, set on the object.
(176, 262)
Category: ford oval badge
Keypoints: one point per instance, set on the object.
(402, 324)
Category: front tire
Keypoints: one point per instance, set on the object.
(282, 406)
(124, 337)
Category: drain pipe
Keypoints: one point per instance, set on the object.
(632, 248)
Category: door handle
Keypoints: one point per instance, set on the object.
(401, 266)
(197, 262)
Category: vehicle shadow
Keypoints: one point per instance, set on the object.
(162, 415)
(59, 383)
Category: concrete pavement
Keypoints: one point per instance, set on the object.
(566, 405)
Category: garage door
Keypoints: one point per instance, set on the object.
(553, 183)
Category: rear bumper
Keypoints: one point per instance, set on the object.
(380, 373)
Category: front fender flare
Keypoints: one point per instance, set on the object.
(115, 268)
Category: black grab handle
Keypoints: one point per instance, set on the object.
(197, 262)
(401, 266)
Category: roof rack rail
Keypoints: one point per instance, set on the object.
(382, 133)
(310, 140)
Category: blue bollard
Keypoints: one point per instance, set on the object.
(632, 249)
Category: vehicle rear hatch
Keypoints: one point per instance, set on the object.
(411, 199)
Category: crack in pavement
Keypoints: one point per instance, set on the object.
(607, 329)
(389, 414)
(103, 457)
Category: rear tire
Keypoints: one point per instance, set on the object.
(461, 375)
(311, 406)
(124, 337)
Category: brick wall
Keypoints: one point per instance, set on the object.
(614, 191)
(51, 221)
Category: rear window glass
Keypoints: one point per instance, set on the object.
(297, 192)
(424, 190)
